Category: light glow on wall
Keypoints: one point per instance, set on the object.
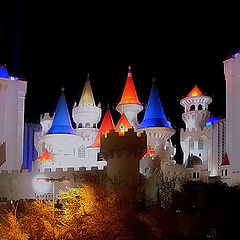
(123, 125)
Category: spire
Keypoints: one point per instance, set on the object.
(129, 95)
(123, 125)
(61, 121)
(195, 92)
(87, 98)
(3, 72)
(154, 115)
(225, 160)
(106, 126)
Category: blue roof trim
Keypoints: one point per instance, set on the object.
(212, 120)
(61, 121)
(3, 72)
(154, 115)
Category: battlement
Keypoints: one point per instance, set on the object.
(130, 142)
(57, 170)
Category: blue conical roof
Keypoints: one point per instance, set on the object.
(61, 121)
(3, 72)
(154, 115)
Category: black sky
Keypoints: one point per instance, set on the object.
(181, 45)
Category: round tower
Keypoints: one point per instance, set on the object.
(158, 129)
(195, 109)
(129, 104)
(123, 153)
(86, 114)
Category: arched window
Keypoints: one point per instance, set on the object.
(198, 175)
(80, 125)
(194, 175)
(192, 108)
(226, 172)
(200, 107)
(191, 144)
(82, 152)
(87, 125)
(94, 125)
(200, 144)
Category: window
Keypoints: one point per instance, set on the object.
(94, 125)
(200, 144)
(80, 125)
(200, 107)
(81, 152)
(226, 171)
(191, 144)
(192, 108)
(198, 175)
(87, 125)
(222, 172)
(194, 175)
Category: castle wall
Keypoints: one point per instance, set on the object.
(25, 185)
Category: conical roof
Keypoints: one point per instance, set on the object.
(123, 125)
(3, 72)
(61, 121)
(225, 160)
(106, 126)
(87, 98)
(195, 92)
(154, 115)
(129, 95)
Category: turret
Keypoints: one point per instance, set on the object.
(123, 154)
(195, 109)
(46, 122)
(158, 129)
(86, 114)
(129, 104)
(225, 174)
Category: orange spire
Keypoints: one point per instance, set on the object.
(129, 95)
(195, 92)
(45, 157)
(106, 126)
(123, 125)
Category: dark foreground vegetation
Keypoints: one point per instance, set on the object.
(199, 211)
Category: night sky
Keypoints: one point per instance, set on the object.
(61, 42)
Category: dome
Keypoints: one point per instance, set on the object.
(212, 120)
(195, 160)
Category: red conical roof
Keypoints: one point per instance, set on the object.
(225, 160)
(106, 126)
(195, 92)
(129, 95)
(123, 125)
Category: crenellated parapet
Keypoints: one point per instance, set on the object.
(26, 185)
(196, 133)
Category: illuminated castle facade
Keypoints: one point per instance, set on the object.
(122, 152)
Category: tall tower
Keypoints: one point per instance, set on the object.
(12, 101)
(154, 122)
(129, 104)
(232, 76)
(195, 109)
(196, 139)
(86, 114)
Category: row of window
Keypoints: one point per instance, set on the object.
(193, 108)
(196, 175)
(87, 125)
(200, 144)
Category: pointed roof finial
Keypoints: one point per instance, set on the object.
(62, 89)
(153, 80)
(88, 77)
(129, 71)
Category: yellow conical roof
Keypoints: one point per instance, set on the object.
(87, 98)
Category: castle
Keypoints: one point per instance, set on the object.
(122, 152)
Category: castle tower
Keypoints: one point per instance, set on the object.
(86, 114)
(197, 138)
(195, 109)
(232, 76)
(12, 101)
(129, 104)
(154, 122)
(123, 154)
(225, 174)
